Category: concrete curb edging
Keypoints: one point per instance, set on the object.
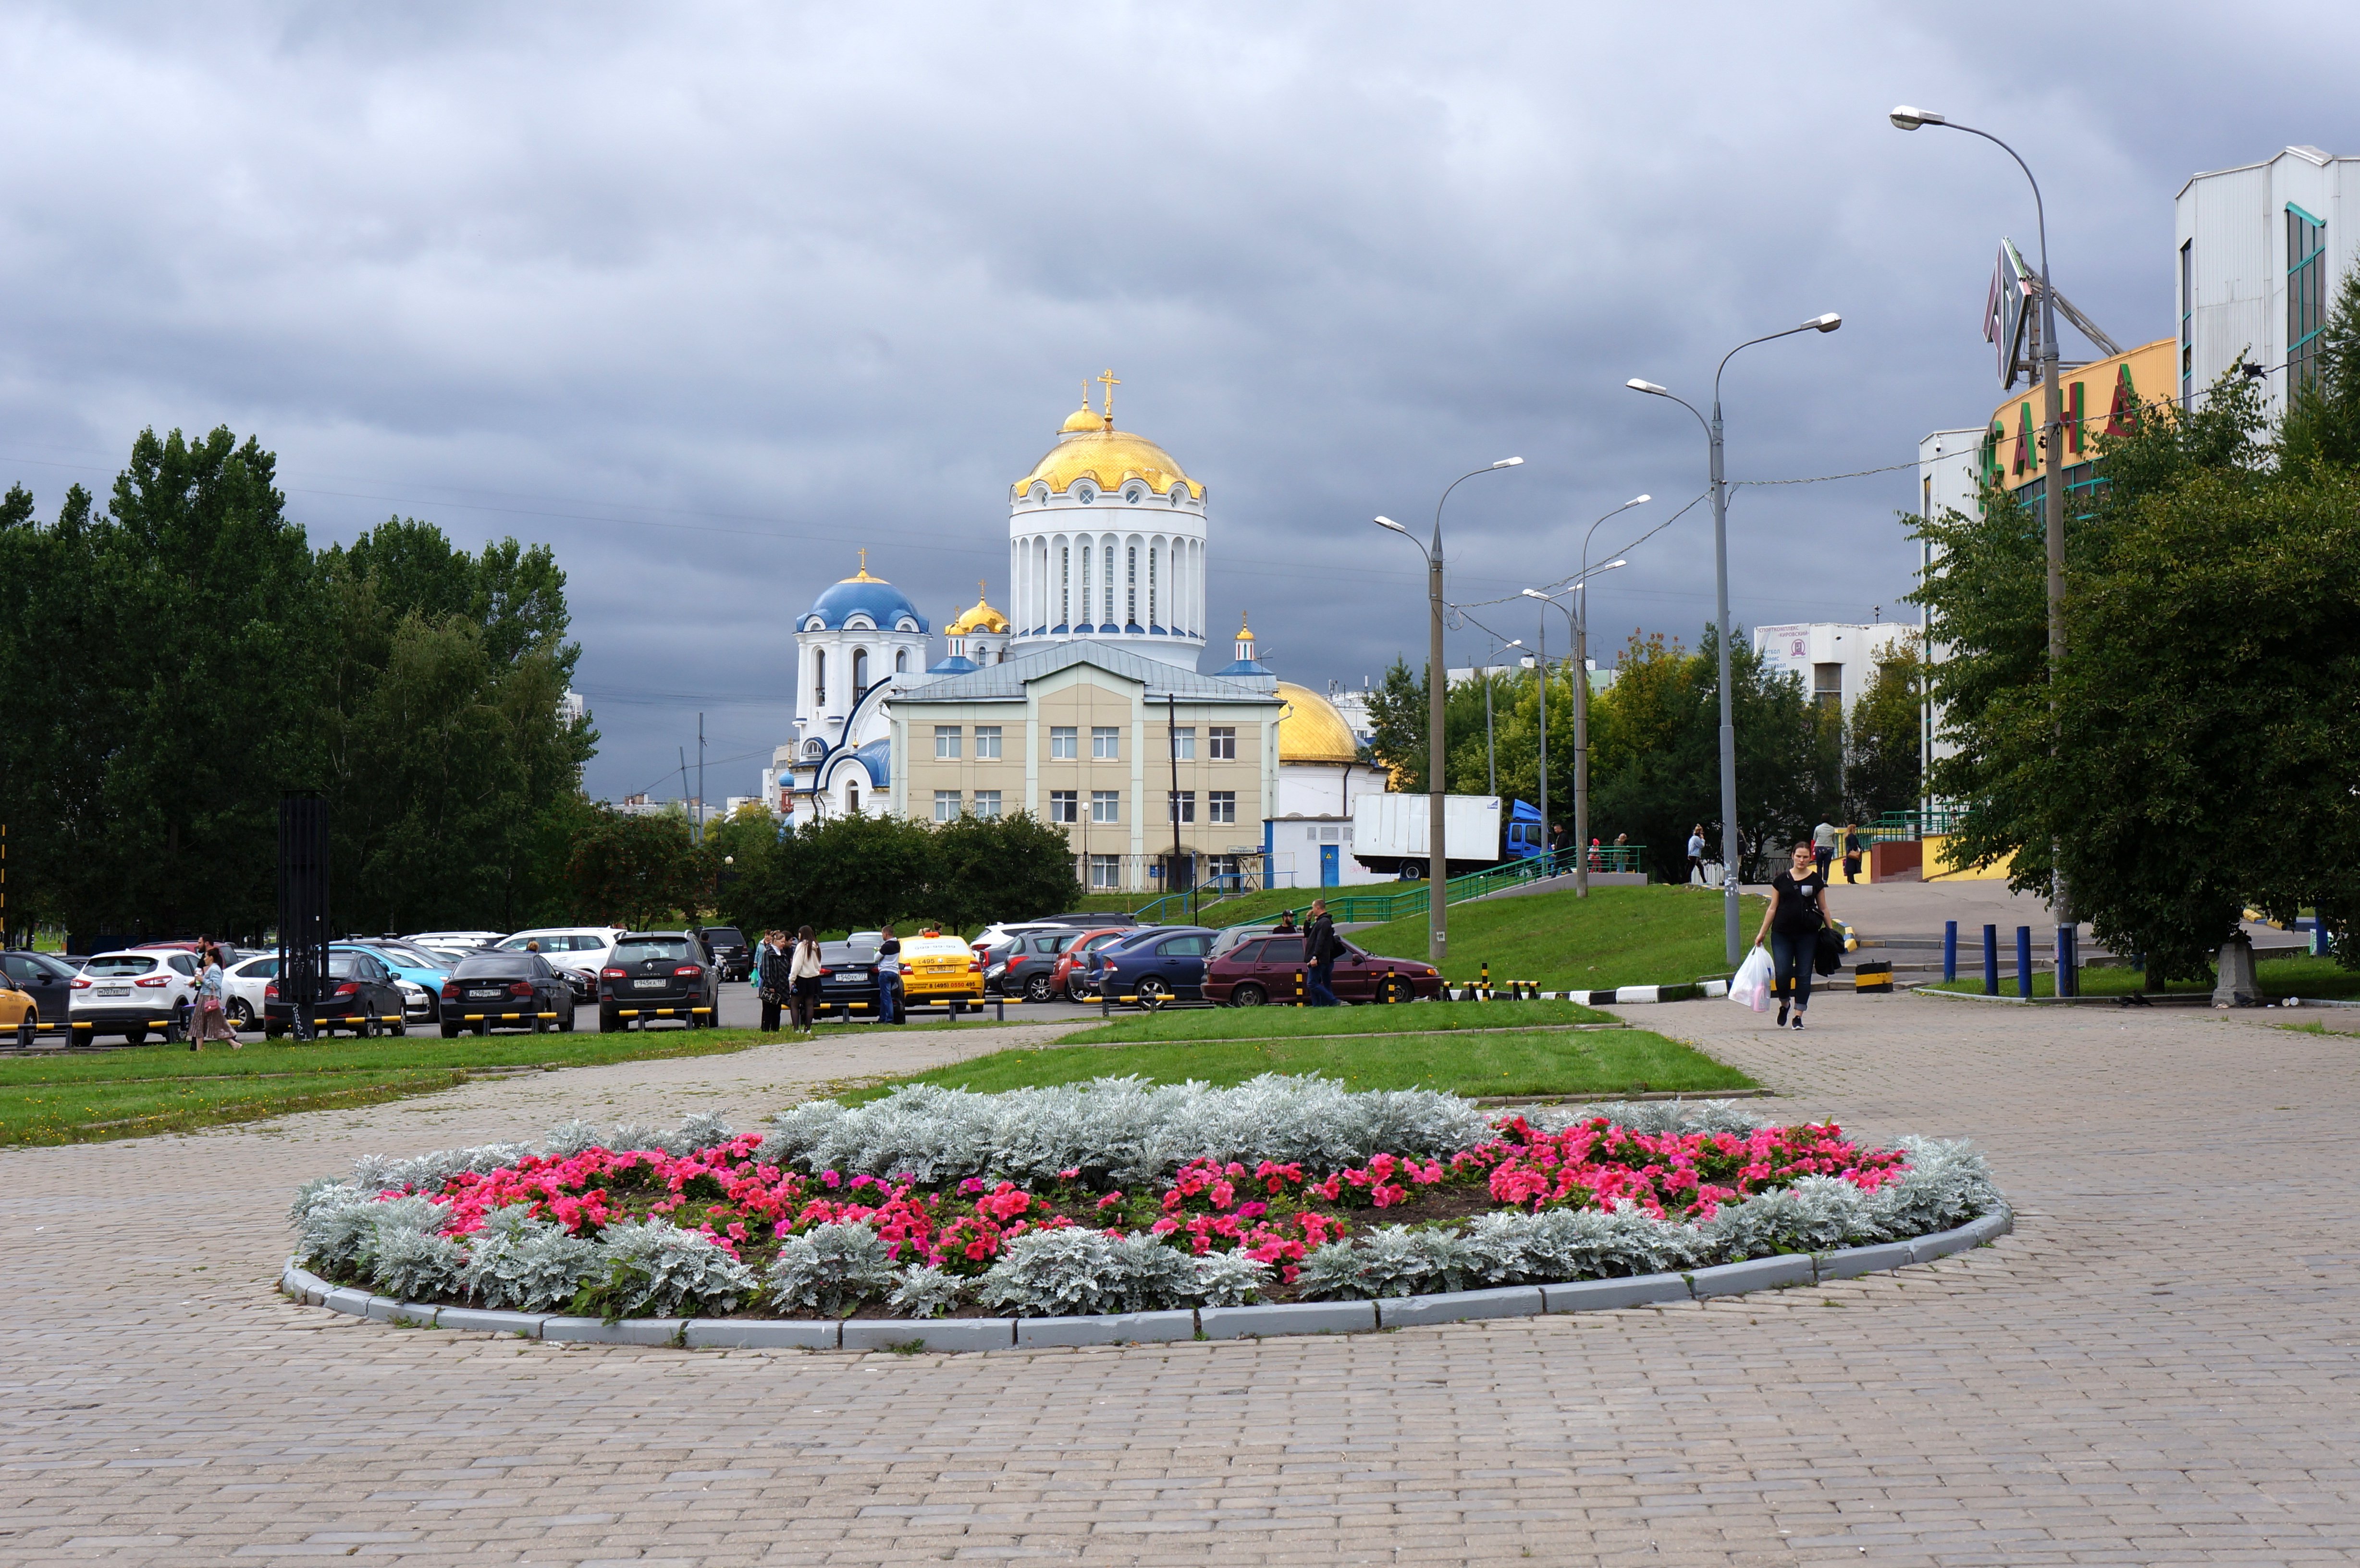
(1782, 1272)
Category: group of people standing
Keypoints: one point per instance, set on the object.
(788, 972)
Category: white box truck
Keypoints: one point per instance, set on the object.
(1389, 833)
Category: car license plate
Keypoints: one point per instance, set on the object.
(113, 991)
(650, 984)
(483, 995)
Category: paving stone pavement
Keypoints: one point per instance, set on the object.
(2157, 1367)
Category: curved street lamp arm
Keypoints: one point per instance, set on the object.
(1772, 337)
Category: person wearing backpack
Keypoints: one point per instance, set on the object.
(1799, 908)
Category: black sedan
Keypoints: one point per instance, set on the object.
(359, 996)
(48, 980)
(497, 990)
(659, 974)
(848, 990)
(729, 950)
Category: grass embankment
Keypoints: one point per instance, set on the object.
(1462, 1055)
(2279, 979)
(1656, 935)
(137, 1090)
(1278, 1023)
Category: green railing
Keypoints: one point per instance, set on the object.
(1358, 908)
(1895, 825)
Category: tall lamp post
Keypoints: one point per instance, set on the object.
(1491, 758)
(1438, 898)
(1713, 430)
(1577, 625)
(2052, 422)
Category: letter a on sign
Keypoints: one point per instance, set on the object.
(2124, 411)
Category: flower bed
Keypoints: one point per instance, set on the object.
(1113, 1197)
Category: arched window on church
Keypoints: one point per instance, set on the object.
(819, 678)
(859, 672)
(852, 798)
(901, 661)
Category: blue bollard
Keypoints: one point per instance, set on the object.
(2024, 962)
(1949, 951)
(1990, 960)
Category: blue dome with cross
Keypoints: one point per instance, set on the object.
(861, 596)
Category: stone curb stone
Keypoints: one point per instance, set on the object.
(1213, 1323)
(1299, 1317)
(1754, 1274)
(1851, 1262)
(932, 1333)
(759, 1333)
(475, 1320)
(1460, 1306)
(1115, 1328)
(1604, 1295)
(596, 1331)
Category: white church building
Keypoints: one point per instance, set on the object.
(1106, 538)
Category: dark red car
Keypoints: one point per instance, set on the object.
(1264, 970)
(1073, 964)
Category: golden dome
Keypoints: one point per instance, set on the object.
(980, 618)
(1311, 730)
(1082, 421)
(1107, 458)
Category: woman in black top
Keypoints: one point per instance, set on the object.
(1799, 908)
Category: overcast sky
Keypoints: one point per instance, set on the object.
(707, 296)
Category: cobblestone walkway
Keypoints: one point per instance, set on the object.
(2158, 1368)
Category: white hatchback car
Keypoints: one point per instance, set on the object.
(578, 953)
(242, 987)
(152, 990)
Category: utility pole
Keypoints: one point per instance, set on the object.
(1172, 744)
(700, 778)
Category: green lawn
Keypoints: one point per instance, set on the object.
(2304, 976)
(1654, 935)
(137, 1090)
(1276, 1023)
(1608, 1062)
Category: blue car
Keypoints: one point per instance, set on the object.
(1167, 964)
(418, 973)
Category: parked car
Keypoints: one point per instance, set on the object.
(659, 974)
(46, 981)
(419, 975)
(506, 990)
(1264, 970)
(1026, 962)
(243, 988)
(20, 1016)
(578, 953)
(363, 998)
(1072, 974)
(729, 950)
(849, 988)
(454, 946)
(938, 968)
(1159, 967)
(1230, 936)
(133, 994)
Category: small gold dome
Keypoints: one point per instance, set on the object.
(1311, 730)
(980, 618)
(1082, 421)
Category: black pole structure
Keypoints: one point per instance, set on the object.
(303, 928)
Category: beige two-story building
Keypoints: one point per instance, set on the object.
(1117, 748)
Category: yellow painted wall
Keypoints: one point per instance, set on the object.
(1938, 865)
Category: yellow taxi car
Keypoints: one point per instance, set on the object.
(18, 1014)
(940, 969)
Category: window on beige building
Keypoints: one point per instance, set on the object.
(987, 802)
(947, 804)
(1064, 805)
(1106, 805)
(1184, 742)
(946, 740)
(1062, 742)
(1106, 742)
(986, 743)
(1181, 805)
(1224, 746)
(1221, 806)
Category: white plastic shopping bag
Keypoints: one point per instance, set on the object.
(1751, 985)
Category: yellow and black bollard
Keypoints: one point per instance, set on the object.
(1298, 987)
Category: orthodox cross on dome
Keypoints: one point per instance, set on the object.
(1109, 380)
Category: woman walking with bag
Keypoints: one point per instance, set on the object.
(770, 973)
(212, 1018)
(1799, 908)
(805, 973)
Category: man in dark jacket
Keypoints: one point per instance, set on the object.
(1321, 947)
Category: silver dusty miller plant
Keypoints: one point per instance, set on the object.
(831, 1268)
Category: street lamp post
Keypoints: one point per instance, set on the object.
(1577, 627)
(1437, 940)
(1713, 430)
(2052, 432)
(1491, 758)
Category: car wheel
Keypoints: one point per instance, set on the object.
(1393, 988)
(1249, 994)
(25, 1028)
(135, 1036)
(483, 1028)
(1152, 992)
(449, 1031)
(1037, 988)
(367, 1029)
(273, 1030)
(399, 1030)
(607, 1022)
(1073, 993)
(566, 1023)
(241, 1014)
